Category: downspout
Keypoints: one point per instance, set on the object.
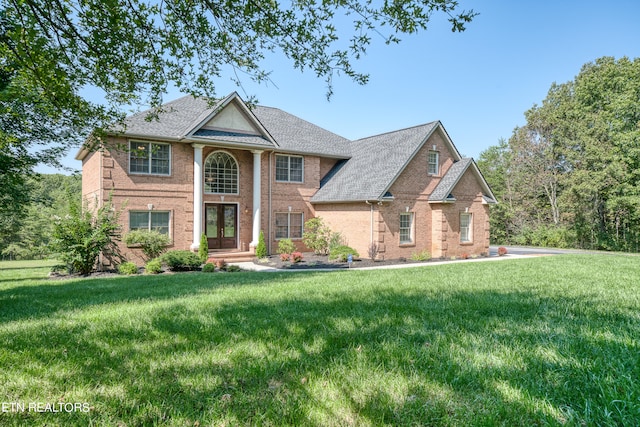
(371, 206)
(269, 204)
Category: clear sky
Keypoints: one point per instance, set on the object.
(478, 83)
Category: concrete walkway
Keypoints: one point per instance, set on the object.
(250, 266)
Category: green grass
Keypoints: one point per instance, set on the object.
(540, 341)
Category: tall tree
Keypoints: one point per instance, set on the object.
(575, 164)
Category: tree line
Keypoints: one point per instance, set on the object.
(26, 233)
(570, 176)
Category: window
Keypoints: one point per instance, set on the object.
(220, 174)
(289, 168)
(406, 228)
(433, 163)
(289, 225)
(149, 158)
(149, 220)
(466, 228)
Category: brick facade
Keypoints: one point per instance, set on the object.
(435, 226)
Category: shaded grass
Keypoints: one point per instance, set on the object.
(544, 341)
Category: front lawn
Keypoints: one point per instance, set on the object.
(540, 341)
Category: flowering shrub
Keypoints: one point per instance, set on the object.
(296, 257)
(284, 257)
(502, 251)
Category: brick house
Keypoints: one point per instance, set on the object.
(230, 171)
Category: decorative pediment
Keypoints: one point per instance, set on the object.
(232, 118)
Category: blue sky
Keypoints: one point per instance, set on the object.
(478, 83)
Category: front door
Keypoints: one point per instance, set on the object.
(221, 226)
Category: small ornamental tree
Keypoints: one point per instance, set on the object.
(261, 249)
(82, 235)
(316, 236)
(203, 249)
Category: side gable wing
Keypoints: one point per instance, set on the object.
(443, 193)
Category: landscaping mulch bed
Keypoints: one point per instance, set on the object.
(313, 261)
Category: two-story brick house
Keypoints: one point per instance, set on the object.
(230, 171)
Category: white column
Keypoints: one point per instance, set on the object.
(197, 195)
(257, 193)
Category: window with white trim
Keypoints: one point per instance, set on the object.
(220, 174)
(289, 168)
(149, 220)
(289, 225)
(466, 228)
(406, 228)
(149, 158)
(433, 168)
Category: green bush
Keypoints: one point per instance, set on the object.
(286, 246)
(341, 253)
(81, 236)
(181, 260)
(233, 269)
(153, 267)
(261, 249)
(316, 236)
(424, 255)
(128, 268)
(152, 242)
(203, 249)
(208, 267)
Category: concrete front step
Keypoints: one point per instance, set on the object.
(231, 256)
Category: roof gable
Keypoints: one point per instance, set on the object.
(443, 193)
(376, 163)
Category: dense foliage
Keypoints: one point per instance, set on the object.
(571, 175)
(182, 260)
(151, 242)
(82, 235)
(27, 234)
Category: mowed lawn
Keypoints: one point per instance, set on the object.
(538, 341)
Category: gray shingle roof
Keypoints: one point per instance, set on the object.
(444, 190)
(181, 117)
(375, 164)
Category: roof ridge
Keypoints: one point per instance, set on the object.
(396, 131)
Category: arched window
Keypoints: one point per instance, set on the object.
(220, 174)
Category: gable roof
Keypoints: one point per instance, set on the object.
(376, 163)
(185, 120)
(443, 193)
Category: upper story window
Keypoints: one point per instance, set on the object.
(433, 168)
(289, 168)
(220, 174)
(151, 158)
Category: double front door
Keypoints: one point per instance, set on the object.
(221, 226)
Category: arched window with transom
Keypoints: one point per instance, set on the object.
(220, 174)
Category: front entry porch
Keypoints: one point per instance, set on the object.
(221, 225)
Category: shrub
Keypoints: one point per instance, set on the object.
(502, 251)
(424, 255)
(296, 257)
(221, 264)
(81, 236)
(181, 260)
(152, 242)
(336, 239)
(316, 236)
(208, 268)
(261, 249)
(203, 249)
(233, 269)
(286, 246)
(341, 253)
(128, 268)
(285, 257)
(373, 249)
(153, 267)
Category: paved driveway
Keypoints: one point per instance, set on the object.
(526, 250)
